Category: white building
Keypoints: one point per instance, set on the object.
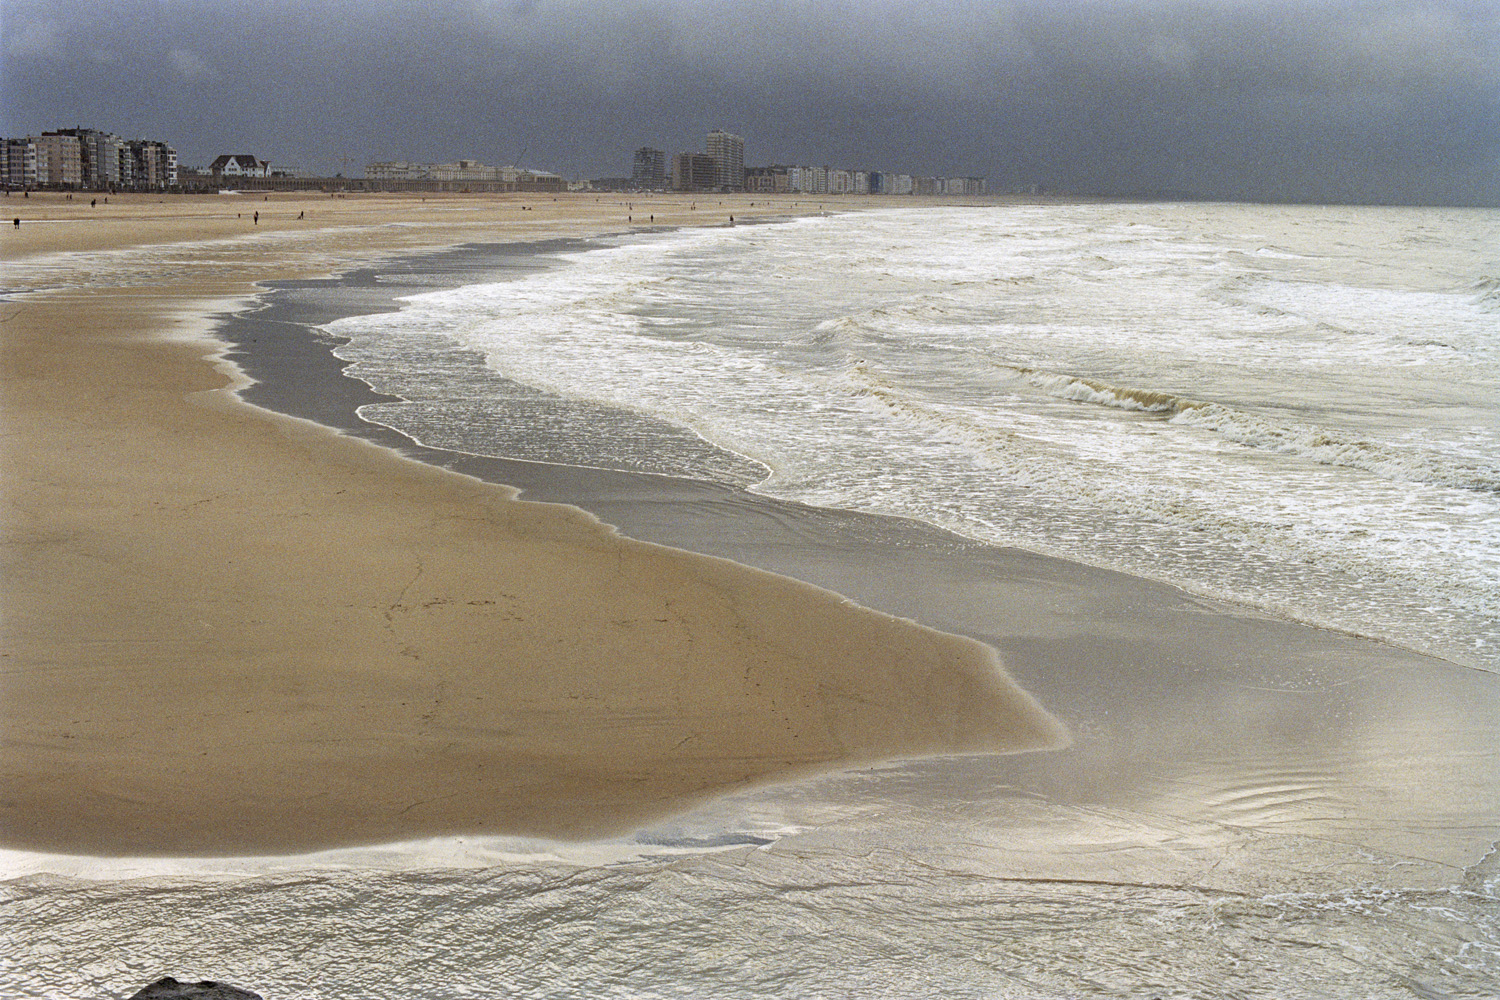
(465, 171)
(239, 165)
(395, 170)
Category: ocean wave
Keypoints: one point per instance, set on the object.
(1487, 293)
(1055, 483)
(837, 330)
(1083, 390)
(1279, 253)
(1323, 445)
(1332, 447)
(994, 446)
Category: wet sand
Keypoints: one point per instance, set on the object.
(231, 632)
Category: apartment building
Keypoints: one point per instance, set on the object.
(649, 169)
(153, 165)
(18, 163)
(59, 160)
(728, 153)
(100, 155)
(896, 184)
(694, 172)
(86, 158)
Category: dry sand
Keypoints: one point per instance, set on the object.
(229, 632)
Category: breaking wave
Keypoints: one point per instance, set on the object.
(1084, 390)
(1487, 293)
(1322, 445)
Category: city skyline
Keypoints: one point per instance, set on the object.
(81, 158)
(1271, 100)
(86, 158)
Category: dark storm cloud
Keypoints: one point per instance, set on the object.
(1329, 100)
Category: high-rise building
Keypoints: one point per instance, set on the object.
(59, 160)
(99, 154)
(694, 172)
(728, 152)
(86, 158)
(18, 163)
(153, 164)
(650, 169)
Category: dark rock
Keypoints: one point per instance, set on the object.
(168, 988)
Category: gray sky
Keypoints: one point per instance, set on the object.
(1270, 99)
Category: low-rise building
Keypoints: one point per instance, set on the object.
(462, 175)
(464, 172)
(395, 170)
(230, 165)
(768, 180)
(541, 181)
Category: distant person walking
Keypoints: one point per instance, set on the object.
(18, 223)
(257, 218)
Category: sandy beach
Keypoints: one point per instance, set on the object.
(232, 632)
(388, 711)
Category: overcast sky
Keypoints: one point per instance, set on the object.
(1267, 99)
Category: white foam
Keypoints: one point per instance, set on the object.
(1300, 431)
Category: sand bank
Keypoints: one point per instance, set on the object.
(226, 631)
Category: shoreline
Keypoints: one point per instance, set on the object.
(1158, 685)
(360, 609)
(1065, 630)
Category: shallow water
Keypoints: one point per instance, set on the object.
(889, 893)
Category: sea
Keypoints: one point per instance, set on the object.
(1290, 408)
(1289, 414)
